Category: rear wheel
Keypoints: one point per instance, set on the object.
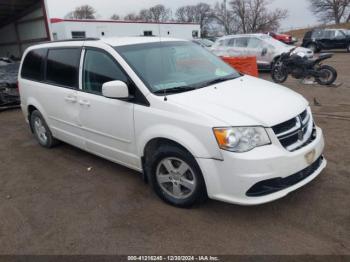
(348, 48)
(328, 75)
(176, 177)
(41, 130)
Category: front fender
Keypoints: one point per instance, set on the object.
(199, 147)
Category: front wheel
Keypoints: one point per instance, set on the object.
(348, 48)
(279, 74)
(327, 75)
(176, 177)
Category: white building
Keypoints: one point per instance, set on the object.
(63, 29)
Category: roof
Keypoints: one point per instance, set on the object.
(59, 20)
(112, 41)
(12, 9)
(121, 41)
(241, 35)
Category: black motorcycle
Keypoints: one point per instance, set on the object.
(303, 68)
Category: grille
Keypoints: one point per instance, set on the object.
(296, 133)
(273, 185)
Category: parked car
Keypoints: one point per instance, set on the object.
(9, 96)
(203, 42)
(326, 39)
(265, 48)
(287, 39)
(190, 123)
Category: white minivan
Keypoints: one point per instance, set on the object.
(172, 110)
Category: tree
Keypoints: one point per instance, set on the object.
(115, 17)
(159, 13)
(131, 17)
(199, 13)
(186, 14)
(82, 12)
(225, 18)
(330, 10)
(145, 15)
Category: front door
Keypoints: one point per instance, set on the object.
(107, 124)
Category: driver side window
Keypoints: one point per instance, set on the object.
(100, 68)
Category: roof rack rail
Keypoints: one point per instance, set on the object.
(72, 40)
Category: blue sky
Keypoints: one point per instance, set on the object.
(299, 13)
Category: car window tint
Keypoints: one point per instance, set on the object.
(340, 34)
(329, 34)
(318, 34)
(63, 67)
(231, 42)
(255, 43)
(100, 68)
(241, 42)
(32, 65)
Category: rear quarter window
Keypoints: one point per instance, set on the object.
(63, 67)
(32, 67)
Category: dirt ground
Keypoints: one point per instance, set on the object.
(51, 204)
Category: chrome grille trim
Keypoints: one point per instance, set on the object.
(300, 135)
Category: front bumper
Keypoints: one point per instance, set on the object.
(230, 180)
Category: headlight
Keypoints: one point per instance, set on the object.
(241, 139)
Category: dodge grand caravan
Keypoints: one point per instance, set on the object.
(192, 125)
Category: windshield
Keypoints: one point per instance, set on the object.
(175, 65)
(207, 42)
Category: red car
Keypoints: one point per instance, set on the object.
(287, 39)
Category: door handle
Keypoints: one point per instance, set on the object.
(71, 99)
(84, 102)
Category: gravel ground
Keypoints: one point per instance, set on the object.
(50, 203)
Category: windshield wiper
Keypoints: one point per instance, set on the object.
(219, 80)
(173, 90)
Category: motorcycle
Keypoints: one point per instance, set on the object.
(303, 68)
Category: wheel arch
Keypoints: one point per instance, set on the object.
(33, 105)
(191, 142)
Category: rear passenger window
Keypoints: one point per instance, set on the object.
(32, 65)
(231, 42)
(241, 42)
(100, 68)
(63, 67)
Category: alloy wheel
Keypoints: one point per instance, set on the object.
(176, 178)
(40, 130)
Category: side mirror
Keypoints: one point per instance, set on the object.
(115, 89)
(264, 51)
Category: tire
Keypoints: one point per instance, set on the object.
(41, 130)
(313, 47)
(348, 49)
(331, 75)
(176, 177)
(279, 74)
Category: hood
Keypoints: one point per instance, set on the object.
(245, 101)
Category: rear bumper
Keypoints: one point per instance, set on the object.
(230, 180)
